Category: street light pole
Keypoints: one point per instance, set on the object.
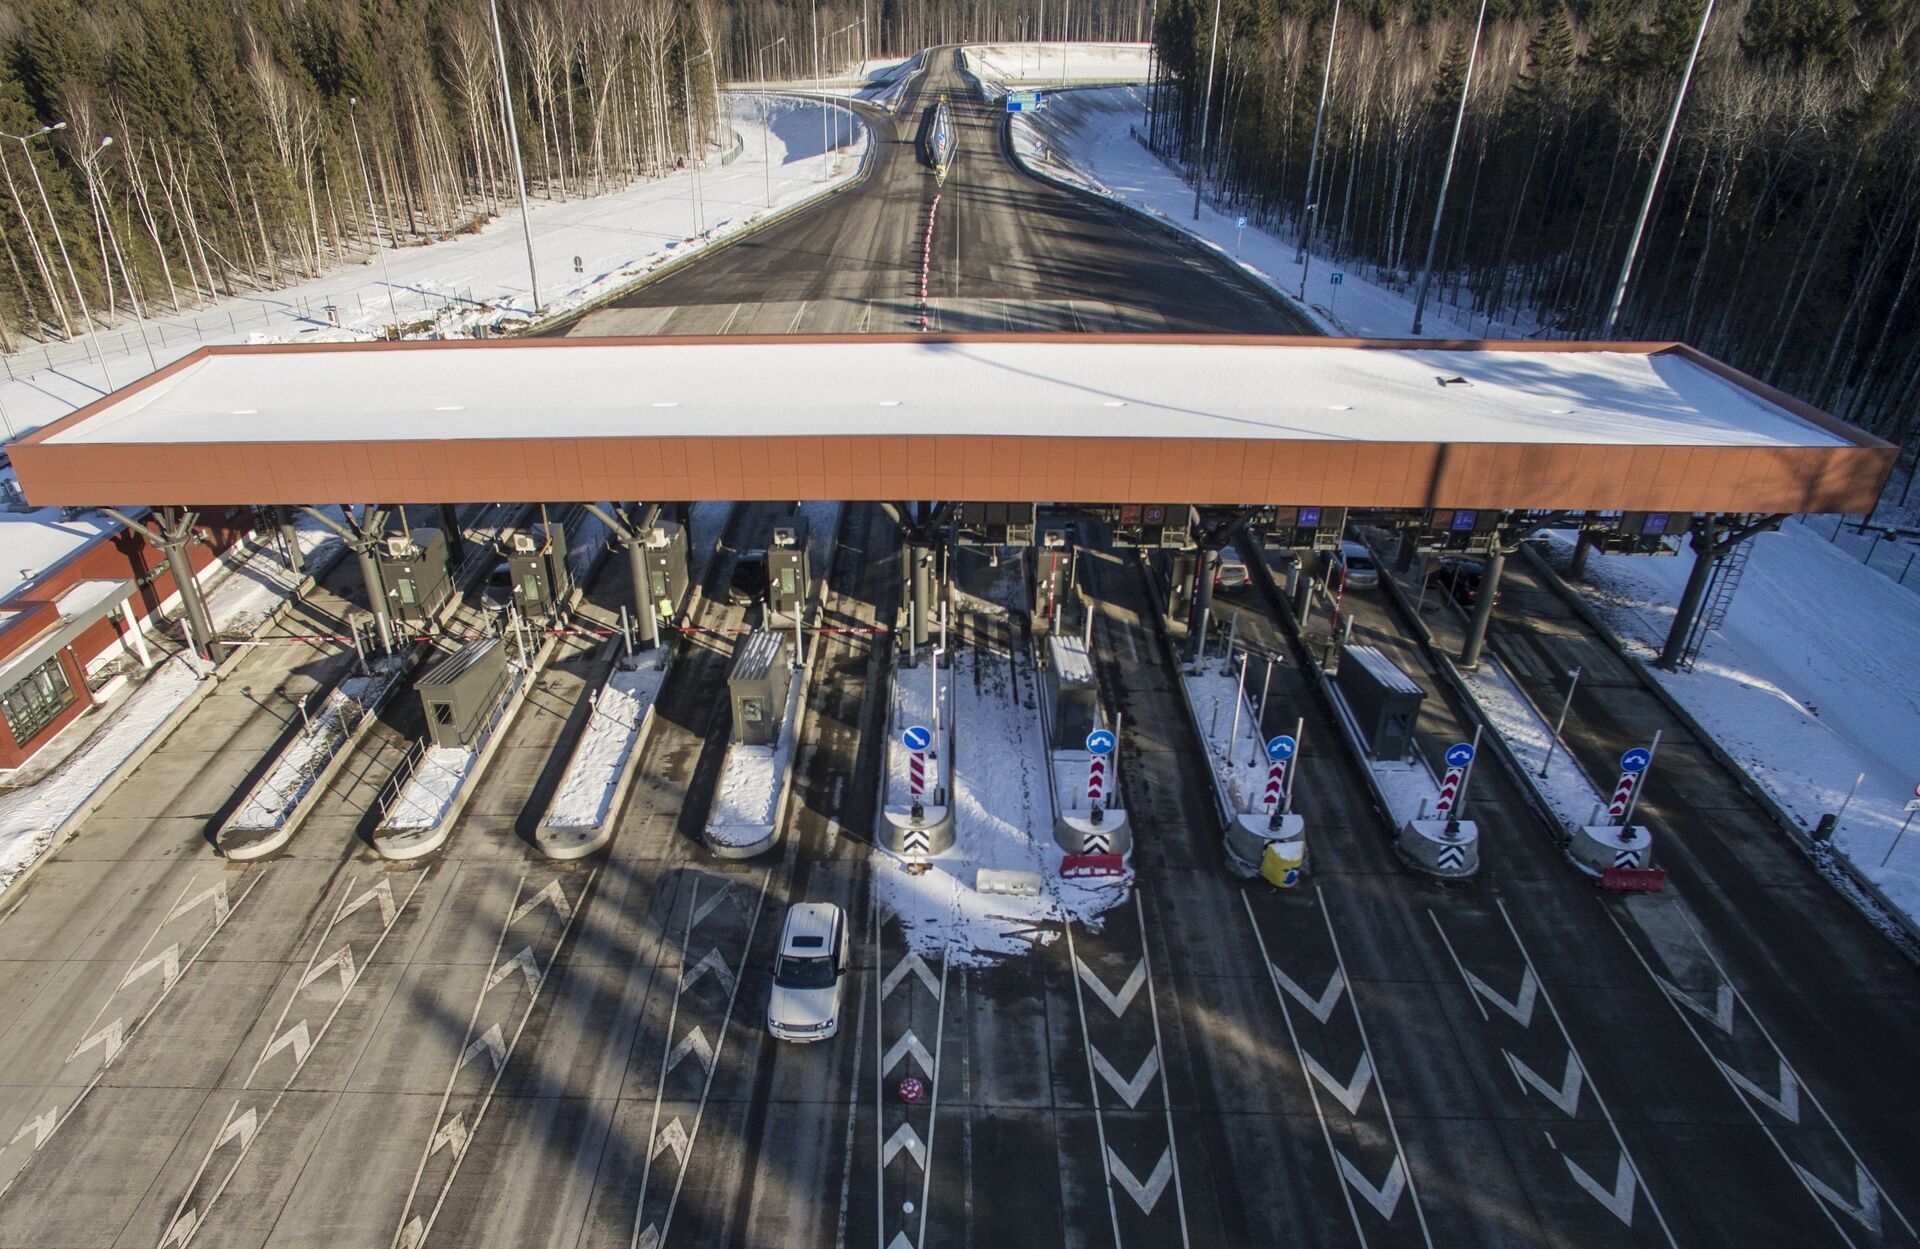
(1560, 723)
(386, 276)
(820, 90)
(98, 202)
(693, 157)
(766, 126)
(93, 337)
(1206, 106)
(1313, 150)
(1453, 146)
(513, 142)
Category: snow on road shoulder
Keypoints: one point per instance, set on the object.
(1002, 821)
(999, 65)
(1808, 683)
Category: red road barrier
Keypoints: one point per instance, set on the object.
(1634, 879)
(1081, 866)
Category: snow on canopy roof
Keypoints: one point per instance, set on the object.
(1258, 389)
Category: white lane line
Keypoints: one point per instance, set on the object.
(114, 1039)
(187, 1220)
(933, 1096)
(1620, 1200)
(853, 1107)
(712, 1061)
(457, 1133)
(1166, 1093)
(1870, 1194)
(1093, 1083)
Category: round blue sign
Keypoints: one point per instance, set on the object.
(917, 737)
(1636, 760)
(1281, 748)
(1100, 742)
(1459, 755)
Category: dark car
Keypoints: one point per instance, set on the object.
(1460, 580)
(749, 581)
(497, 594)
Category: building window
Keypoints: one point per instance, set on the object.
(33, 702)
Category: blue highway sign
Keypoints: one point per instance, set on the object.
(1636, 760)
(917, 737)
(1459, 755)
(1281, 748)
(1100, 742)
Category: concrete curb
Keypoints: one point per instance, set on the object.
(777, 828)
(1787, 824)
(547, 836)
(560, 324)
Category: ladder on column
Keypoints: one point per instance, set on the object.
(1724, 580)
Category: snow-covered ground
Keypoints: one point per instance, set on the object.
(1089, 138)
(913, 703)
(1000, 65)
(1233, 743)
(424, 800)
(29, 817)
(1566, 788)
(620, 709)
(1810, 682)
(273, 799)
(748, 794)
(448, 288)
(1003, 822)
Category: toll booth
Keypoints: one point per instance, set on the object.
(413, 570)
(461, 691)
(1166, 525)
(666, 559)
(1385, 701)
(994, 524)
(788, 574)
(757, 687)
(1177, 571)
(1052, 575)
(537, 559)
(1301, 528)
(1073, 696)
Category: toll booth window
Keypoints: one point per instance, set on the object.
(658, 580)
(530, 588)
(405, 587)
(32, 702)
(443, 713)
(788, 578)
(752, 710)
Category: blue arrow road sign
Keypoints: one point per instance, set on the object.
(1100, 742)
(917, 737)
(1281, 748)
(1459, 755)
(1636, 760)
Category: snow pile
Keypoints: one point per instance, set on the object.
(1234, 745)
(1002, 820)
(449, 288)
(1565, 787)
(248, 596)
(29, 817)
(620, 709)
(1000, 65)
(1089, 137)
(424, 800)
(912, 704)
(271, 802)
(1808, 683)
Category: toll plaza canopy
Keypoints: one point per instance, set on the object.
(1057, 418)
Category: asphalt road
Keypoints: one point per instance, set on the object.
(1009, 253)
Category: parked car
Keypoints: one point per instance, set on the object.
(1231, 574)
(1354, 562)
(1460, 579)
(749, 581)
(810, 964)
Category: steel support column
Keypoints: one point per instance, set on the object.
(1483, 608)
(1205, 569)
(1704, 555)
(172, 534)
(1582, 548)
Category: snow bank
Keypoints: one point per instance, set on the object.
(1002, 821)
(272, 801)
(1809, 683)
(429, 792)
(620, 710)
(1000, 65)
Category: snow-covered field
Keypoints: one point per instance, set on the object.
(1810, 682)
(1000, 65)
(449, 287)
(1002, 821)
(620, 709)
(273, 799)
(1087, 136)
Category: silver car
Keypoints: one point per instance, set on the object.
(808, 969)
(1354, 564)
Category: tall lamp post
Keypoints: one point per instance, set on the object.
(1453, 146)
(766, 127)
(836, 114)
(93, 337)
(820, 90)
(513, 143)
(1206, 106)
(693, 155)
(386, 277)
(1307, 201)
(98, 202)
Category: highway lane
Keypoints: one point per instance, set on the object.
(1010, 253)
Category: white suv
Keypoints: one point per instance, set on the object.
(807, 970)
